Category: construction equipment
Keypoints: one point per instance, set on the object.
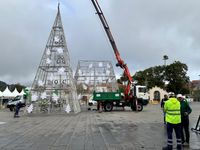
(197, 127)
(108, 99)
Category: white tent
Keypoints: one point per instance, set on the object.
(1, 94)
(15, 93)
(7, 93)
(22, 92)
(1, 101)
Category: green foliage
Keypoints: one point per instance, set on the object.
(151, 77)
(174, 74)
(196, 95)
(3, 86)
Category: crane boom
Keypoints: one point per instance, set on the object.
(120, 62)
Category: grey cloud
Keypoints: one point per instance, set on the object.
(144, 31)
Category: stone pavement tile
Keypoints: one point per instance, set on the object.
(90, 130)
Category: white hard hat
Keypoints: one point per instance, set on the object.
(171, 94)
(179, 95)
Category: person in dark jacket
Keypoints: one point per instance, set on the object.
(185, 111)
(19, 105)
(162, 105)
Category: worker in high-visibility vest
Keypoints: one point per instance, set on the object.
(173, 119)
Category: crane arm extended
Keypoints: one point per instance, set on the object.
(115, 49)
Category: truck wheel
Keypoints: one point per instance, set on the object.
(133, 107)
(108, 106)
(11, 108)
(98, 105)
(139, 107)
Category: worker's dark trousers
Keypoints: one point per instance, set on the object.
(164, 114)
(177, 129)
(18, 106)
(185, 128)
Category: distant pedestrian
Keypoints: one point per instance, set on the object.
(162, 105)
(185, 111)
(173, 119)
(163, 101)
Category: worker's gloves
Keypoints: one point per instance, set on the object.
(186, 114)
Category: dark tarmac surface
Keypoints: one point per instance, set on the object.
(90, 130)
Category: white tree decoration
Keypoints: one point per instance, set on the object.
(87, 80)
(30, 108)
(56, 39)
(84, 87)
(67, 109)
(48, 61)
(55, 98)
(55, 74)
(51, 77)
(34, 97)
(90, 66)
(60, 50)
(100, 64)
(61, 70)
(43, 95)
(107, 72)
(40, 83)
(48, 52)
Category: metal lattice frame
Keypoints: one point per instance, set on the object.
(54, 85)
(95, 75)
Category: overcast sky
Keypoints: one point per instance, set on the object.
(143, 30)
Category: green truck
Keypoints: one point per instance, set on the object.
(108, 100)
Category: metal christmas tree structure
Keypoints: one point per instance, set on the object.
(53, 88)
(95, 75)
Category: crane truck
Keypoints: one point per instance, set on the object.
(107, 100)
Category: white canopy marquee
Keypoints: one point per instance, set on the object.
(8, 93)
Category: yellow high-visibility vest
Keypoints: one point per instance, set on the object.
(172, 108)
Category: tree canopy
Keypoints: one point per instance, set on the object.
(172, 78)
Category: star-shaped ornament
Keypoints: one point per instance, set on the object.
(40, 83)
(48, 61)
(60, 50)
(56, 39)
(34, 97)
(43, 95)
(61, 70)
(48, 52)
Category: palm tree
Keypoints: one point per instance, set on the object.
(165, 57)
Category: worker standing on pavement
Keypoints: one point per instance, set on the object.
(173, 118)
(162, 105)
(185, 111)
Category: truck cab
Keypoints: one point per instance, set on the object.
(142, 94)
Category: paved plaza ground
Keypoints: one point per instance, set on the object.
(90, 130)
